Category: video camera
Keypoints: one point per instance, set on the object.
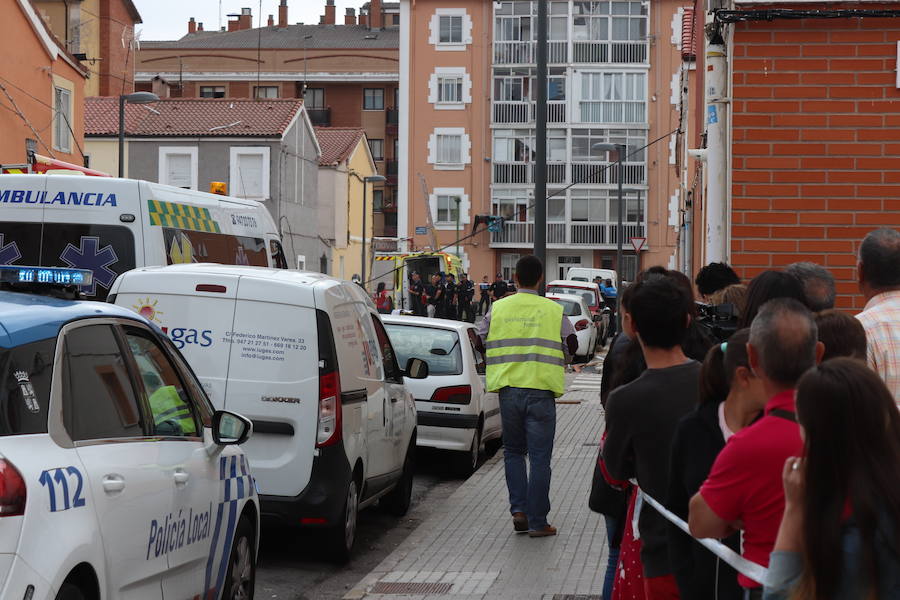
(719, 319)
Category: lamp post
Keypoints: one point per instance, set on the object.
(458, 199)
(135, 98)
(369, 179)
(619, 149)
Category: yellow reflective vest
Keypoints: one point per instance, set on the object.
(524, 348)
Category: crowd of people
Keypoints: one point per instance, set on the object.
(780, 437)
(443, 297)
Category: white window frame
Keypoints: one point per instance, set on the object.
(62, 119)
(465, 148)
(434, 37)
(165, 151)
(508, 262)
(234, 183)
(434, 88)
(464, 207)
(584, 94)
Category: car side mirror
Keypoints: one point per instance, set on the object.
(230, 428)
(416, 368)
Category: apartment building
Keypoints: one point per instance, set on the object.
(346, 72)
(468, 127)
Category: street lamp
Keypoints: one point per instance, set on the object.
(135, 98)
(619, 149)
(457, 199)
(369, 179)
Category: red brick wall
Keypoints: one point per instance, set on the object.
(117, 66)
(816, 149)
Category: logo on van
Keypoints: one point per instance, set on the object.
(243, 220)
(146, 307)
(184, 336)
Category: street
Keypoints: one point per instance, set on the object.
(291, 564)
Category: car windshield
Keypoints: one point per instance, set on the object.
(26, 372)
(438, 347)
(570, 308)
(589, 296)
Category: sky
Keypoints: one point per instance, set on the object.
(167, 19)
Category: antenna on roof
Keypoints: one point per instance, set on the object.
(220, 15)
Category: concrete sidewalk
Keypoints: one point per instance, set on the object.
(467, 550)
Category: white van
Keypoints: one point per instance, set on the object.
(305, 358)
(588, 274)
(109, 226)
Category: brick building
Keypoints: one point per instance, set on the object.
(815, 134)
(347, 73)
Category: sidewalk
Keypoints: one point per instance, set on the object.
(467, 549)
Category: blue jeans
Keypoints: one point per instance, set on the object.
(529, 424)
(612, 524)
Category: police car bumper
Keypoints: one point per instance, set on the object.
(16, 576)
(321, 502)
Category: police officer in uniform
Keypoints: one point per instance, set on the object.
(527, 339)
(416, 290)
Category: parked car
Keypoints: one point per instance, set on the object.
(589, 274)
(591, 294)
(307, 359)
(576, 310)
(454, 412)
(118, 479)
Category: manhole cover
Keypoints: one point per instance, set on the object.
(391, 587)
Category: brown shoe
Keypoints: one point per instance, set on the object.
(520, 522)
(546, 531)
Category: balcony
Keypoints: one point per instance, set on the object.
(320, 117)
(390, 171)
(392, 121)
(601, 172)
(592, 52)
(619, 111)
(517, 234)
(515, 113)
(523, 172)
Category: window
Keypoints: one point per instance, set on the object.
(450, 29)
(178, 166)
(508, 265)
(377, 200)
(265, 91)
(395, 19)
(249, 172)
(212, 91)
(158, 379)
(613, 97)
(376, 147)
(444, 207)
(438, 347)
(373, 99)
(449, 148)
(389, 361)
(62, 139)
(98, 399)
(447, 208)
(25, 393)
(450, 89)
(185, 246)
(314, 98)
(480, 363)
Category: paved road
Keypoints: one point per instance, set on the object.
(291, 565)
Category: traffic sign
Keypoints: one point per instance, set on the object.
(637, 243)
(421, 230)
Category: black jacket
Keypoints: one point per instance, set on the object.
(698, 440)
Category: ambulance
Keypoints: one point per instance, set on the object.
(395, 269)
(109, 225)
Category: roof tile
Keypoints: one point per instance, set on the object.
(290, 37)
(337, 143)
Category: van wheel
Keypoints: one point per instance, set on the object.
(343, 536)
(68, 591)
(468, 460)
(397, 502)
(241, 577)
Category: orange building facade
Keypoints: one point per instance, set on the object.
(41, 91)
(467, 128)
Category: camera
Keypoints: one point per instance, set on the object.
(719, 319)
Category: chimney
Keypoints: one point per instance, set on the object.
(271, 21)
(329, 12)
(350, 17)
(246, 19)
(192, 25)
(233, 24)
(199, 26)
(363, 17)
(376, 17)
(282, 14)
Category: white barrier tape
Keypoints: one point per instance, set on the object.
(743, 566)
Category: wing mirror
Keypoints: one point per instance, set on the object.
(230, 428)
(416, 368)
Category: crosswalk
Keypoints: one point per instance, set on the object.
(586, 382)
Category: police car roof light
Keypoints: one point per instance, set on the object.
(45, 275)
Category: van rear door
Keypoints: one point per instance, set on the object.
(273, 379)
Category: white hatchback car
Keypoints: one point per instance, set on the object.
(454, 410)
(576, 310)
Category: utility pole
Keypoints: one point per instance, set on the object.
(457, 199)
(717, 149)
(540, 166)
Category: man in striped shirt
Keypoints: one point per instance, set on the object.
(879, 281)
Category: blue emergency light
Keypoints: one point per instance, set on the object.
(45, 275)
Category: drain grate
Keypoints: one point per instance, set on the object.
(410, 587)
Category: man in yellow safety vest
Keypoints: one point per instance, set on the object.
(526, 338)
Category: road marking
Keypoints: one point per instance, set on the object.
(586, 382)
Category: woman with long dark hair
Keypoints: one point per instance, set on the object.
(730, 399)
(840, 534)
(766, 286)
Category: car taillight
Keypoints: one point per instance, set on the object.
(455, 394)
(12, 490)
(582, 325)
(329, 431)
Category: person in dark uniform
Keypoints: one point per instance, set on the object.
(498, 288)
(416, 289)
(465, 295)
(451, 308)
(432, 291)
(484, 302)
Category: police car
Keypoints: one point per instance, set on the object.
(117, 477)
